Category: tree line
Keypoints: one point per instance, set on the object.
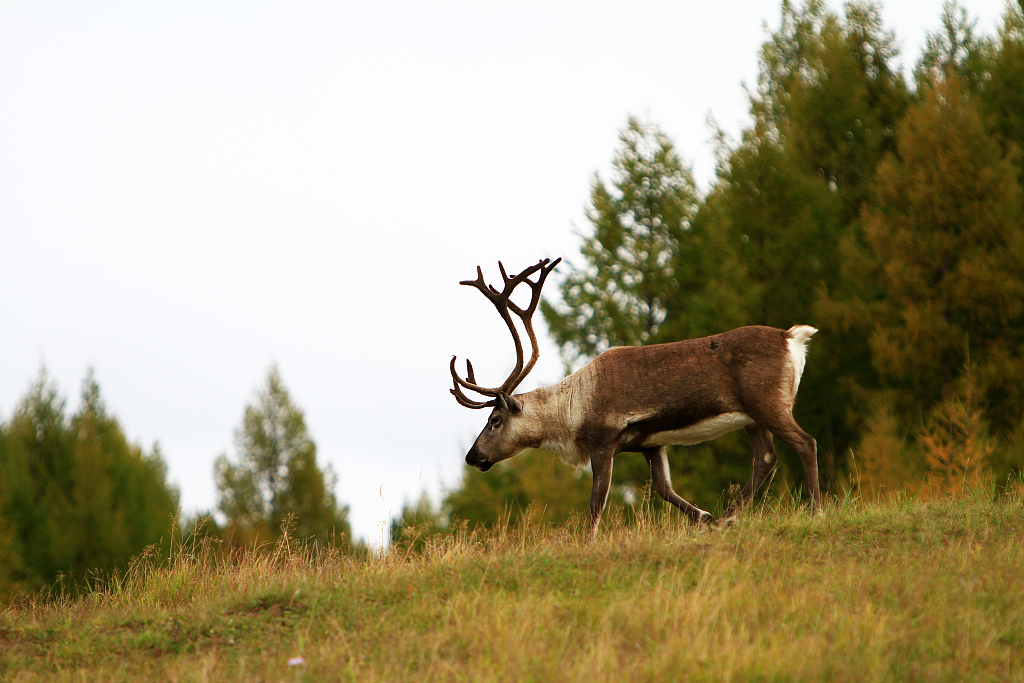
(78, 500)
(886, 210)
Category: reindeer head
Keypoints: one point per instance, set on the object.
(507, 431)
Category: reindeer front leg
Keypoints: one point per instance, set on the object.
(601, 467)
(657, 459)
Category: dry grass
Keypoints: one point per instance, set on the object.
(900, 591)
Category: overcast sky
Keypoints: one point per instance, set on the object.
(191, 191)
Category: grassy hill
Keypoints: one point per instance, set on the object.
(899, 591)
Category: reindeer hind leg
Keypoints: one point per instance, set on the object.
(764, 462)
(783, 425)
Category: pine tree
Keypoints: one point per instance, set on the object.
(946, 235)
(121, 497)
(883, 463)
(13, 575)
(276, 479)
(944, 242)
(955, 50)
(631, 278)
(956, 446)
(38, 471)
(1003, 95)
(824, 112)
(829, 94)
(77, 497)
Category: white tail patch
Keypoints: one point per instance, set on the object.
(798, 336)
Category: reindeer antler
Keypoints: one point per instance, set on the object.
(504, 304)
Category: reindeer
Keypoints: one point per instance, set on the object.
(644, 398)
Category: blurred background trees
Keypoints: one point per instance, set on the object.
(274, 481)
(629, 281)
(76, 497)
(884, 208)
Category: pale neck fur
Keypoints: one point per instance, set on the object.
(553, 415)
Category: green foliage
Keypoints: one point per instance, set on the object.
(1003, 95)
(634, 272)
(122, 501)
(417, 524)
(532, 484)
(275, 479)
(890, 219)
(76, 498)
(829, 94)
(828, 101)
(937, 281)
(947, 243)
(955, 51)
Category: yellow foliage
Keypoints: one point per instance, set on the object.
(955, 445)
(882, 459)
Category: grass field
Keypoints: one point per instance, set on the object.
(895, 591)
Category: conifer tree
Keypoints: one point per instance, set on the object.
(883, 463)
(649, 274)
(830, 94)
(76, 495)
(1003, 95)
(13, 575)
(276, 479)
(824, 112)
(944, 245)
(630, 278)
(955, 50)
(947, 239)
(121, 497)
(37, 471)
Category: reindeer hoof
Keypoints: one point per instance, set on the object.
(704, 518)
(726, 522)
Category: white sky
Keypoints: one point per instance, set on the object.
(190, 191)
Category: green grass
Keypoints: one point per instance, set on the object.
(899, 591)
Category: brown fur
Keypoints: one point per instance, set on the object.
(629, 397)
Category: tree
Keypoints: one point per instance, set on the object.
(828, 99)
(534, 482)
(13, 574)
(1003, 96)
(830, 94)
(76, 495)
(121, 497)
(417, 523)
(37, 470)
(945, 244)
(955, 51)
(275, 478)
(631, 277)
(650, 272)
(947, 239)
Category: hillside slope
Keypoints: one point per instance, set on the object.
(896, 591)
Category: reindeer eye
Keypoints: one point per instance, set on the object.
(495, 421)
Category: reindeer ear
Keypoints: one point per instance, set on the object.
(509, 403)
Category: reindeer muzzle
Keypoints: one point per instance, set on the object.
(474, 459)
